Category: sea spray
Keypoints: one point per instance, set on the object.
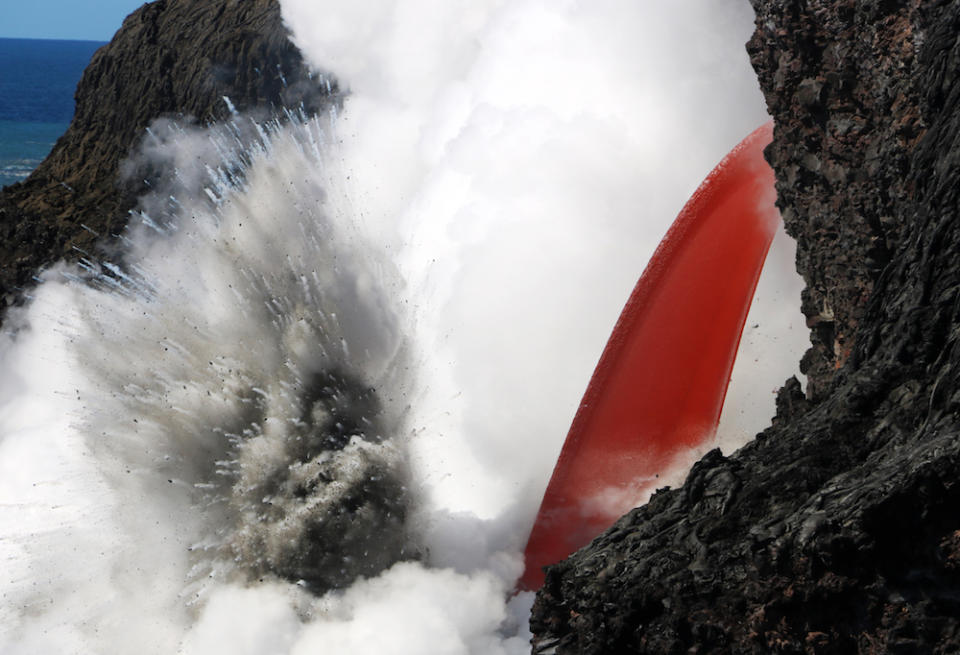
(231, 390)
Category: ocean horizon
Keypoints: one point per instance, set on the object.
(38, 78)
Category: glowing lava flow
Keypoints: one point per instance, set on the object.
(660, 384)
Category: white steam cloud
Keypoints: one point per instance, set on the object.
(530, 155)
(404, 301)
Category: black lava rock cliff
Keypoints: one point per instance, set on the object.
(171, 58)
(838, 529)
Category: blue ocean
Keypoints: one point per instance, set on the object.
(37, 81)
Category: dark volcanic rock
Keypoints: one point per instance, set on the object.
(174, 58)
(837, 529)
(840, 80)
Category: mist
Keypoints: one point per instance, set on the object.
(528, 157)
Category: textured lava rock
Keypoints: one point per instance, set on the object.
(174, 58)
(841, 81)
(836, 530)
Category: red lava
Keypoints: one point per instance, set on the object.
(660, 383)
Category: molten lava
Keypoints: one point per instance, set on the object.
(660, 383)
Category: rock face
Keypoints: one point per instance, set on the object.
(175, 58)
(836, 530)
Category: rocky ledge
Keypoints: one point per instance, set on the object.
(836, 530)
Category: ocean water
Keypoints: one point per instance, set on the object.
(37, 81)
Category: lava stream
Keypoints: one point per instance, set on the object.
(660, 383)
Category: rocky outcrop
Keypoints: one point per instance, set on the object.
(175, 58)
(847, 105)
(836, 530)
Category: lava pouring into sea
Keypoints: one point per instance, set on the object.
(314, 401)
(659, 387)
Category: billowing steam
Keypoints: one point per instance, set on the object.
(230, 389)
(312, 402)
(530, 155)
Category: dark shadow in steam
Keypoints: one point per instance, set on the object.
(335, 509)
